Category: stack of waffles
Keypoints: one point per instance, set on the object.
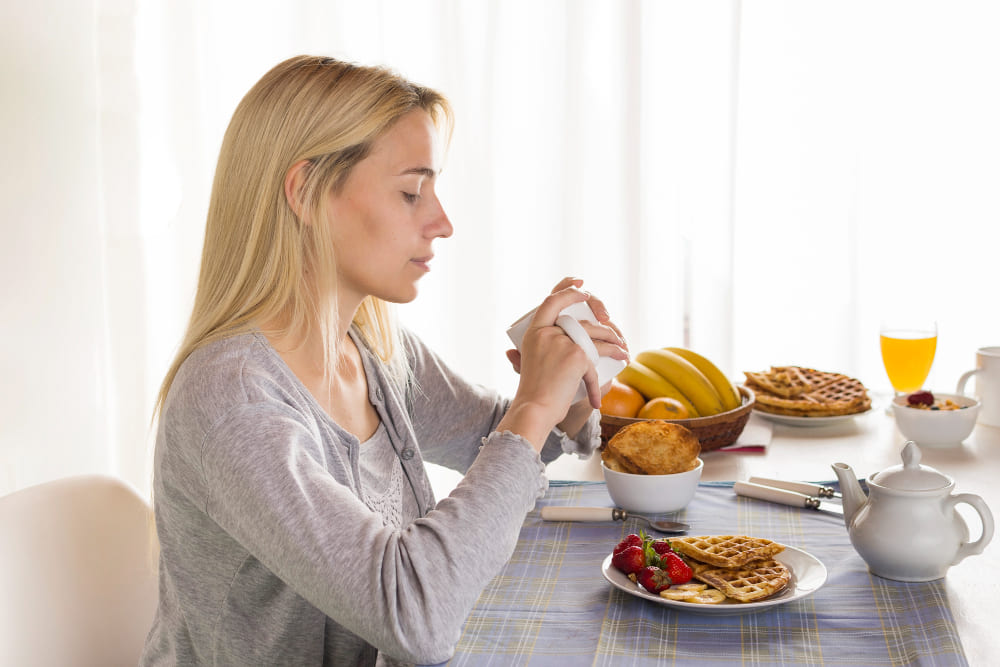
(806, 392)
(743, 568)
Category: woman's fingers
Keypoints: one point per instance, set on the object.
(604, 317)
(596, 306)
(600, 312)
(514, 357)
(551, 366)
(567, 282)
(554, 304)
(607, 339)
(593, 387)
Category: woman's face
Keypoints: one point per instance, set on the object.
(387, 215)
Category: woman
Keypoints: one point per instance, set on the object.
(296, 522)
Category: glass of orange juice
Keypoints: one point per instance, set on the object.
(908, 352)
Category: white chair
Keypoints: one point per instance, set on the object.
(77, 574)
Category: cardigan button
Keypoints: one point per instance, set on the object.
(407, 454)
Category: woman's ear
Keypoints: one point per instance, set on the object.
(295, 178)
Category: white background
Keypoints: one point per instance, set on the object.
(761, 181)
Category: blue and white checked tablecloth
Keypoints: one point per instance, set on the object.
(552, 606)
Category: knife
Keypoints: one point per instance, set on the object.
(815, 490)
(786, 497)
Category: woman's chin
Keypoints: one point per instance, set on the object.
(400, 296)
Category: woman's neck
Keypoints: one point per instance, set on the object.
(308, 343)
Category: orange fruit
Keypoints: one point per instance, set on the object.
(663, 407)
(621, 400)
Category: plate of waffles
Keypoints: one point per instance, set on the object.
(746, 574)
(800, 396)
(791, 420)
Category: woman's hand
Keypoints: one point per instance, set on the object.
(551, 367)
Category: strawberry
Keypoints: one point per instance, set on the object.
(630, 559)
(632, 540)
(653, 579)
(661, 547)
(920, 398)
(679, 571)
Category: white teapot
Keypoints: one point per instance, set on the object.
(907, 528)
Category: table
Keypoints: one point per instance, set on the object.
(969, 596)
(550, 605)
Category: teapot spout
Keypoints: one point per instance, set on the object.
(853, 496)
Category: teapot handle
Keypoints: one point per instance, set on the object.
(978, 504)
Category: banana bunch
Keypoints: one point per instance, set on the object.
(683, 375)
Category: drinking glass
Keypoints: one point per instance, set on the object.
(908, 352)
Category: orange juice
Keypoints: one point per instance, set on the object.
(908, 356)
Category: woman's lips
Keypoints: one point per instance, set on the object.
(423, 262)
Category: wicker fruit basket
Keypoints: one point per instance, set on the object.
(713, 432)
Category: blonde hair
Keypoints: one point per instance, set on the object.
(258, 252)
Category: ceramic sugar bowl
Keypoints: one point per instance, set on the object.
(907, 528)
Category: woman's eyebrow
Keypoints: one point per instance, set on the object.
(419, 171)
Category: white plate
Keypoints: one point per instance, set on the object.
(790, 420)
(808, 575)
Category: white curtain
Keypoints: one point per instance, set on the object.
(866, 180)
(758, 180)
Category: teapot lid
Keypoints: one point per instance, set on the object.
(911, 476)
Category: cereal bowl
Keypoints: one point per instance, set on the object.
(936, 428)
(652, 494)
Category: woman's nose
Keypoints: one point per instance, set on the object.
(440, 225)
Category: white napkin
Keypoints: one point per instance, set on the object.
(607, 368)
(754, 439)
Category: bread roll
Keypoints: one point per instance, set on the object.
(652, 447)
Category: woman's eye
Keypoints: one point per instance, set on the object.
(410, 197)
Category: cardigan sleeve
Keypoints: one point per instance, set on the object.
(451, 415)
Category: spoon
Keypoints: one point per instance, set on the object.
(609, 514)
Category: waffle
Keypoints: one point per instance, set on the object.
(697, 567)
(806, 392)
(753, 581)
(726, 550)
(790, 381)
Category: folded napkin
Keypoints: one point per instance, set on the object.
(568, 321)
(754, 439)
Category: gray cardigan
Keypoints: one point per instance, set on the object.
(268, 554)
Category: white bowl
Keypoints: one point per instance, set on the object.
(653, 494)
(936, 428)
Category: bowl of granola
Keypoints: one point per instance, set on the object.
(934, 419)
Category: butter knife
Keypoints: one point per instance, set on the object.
(815, 490)
(785, 497)
(555, 513)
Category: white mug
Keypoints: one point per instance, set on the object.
(987, 374)
(569, 321)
